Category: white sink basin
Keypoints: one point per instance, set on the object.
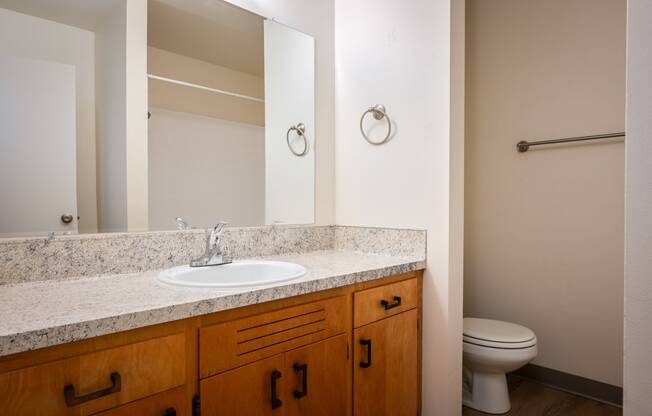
(236, 275)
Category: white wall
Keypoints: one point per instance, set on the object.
(31, 37)
(400, 56)
(638, 228)
(315, 18)
(289, 100)
(204, 170)
(544, 229)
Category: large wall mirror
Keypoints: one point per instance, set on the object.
(135, 115)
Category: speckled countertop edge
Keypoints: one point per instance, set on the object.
(40, 314)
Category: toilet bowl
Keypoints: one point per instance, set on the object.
(490, 350)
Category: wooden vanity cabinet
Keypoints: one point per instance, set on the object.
(244, 391)
(88, 383)
(292, 361)
(295, 356)
(310, 380)
(386, 351)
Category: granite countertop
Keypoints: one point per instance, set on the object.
(46, 313)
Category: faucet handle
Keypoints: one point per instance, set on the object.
(182, 224)
(219, 228)
(216, 232)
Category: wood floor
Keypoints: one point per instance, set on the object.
(534, 399)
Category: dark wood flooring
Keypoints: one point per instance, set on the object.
(534, 399)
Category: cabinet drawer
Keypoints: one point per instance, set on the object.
(169, 403)
(380, 302)
(95, 381)
(232, 344)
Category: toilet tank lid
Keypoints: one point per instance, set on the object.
(497, 331)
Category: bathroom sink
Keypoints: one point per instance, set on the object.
(236, 275)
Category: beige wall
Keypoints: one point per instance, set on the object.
(195, 101)
(544, 229)
(638, 233)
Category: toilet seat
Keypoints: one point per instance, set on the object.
(497, 334)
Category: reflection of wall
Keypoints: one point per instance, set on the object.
(290, 98)
(136, 108)
(190, 100)
(544, 236)
(31, 37)
(638, 263)
(204, 170)
(111, 121)
(316, 18)
(122, 118)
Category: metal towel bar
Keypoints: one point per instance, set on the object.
(523, 146)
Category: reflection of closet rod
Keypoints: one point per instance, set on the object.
(201, 87)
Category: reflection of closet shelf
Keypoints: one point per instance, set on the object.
(201, 87)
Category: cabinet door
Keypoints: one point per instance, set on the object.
(255, 389)
(385, 367)
(316, 382)
(170, 403)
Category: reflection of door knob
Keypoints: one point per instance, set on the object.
(66, 218)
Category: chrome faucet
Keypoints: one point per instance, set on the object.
(213, 255)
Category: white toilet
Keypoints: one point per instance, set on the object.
(491, 349)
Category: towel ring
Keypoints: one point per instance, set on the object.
(301, 132)
(379, 113)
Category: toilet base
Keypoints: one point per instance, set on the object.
(486, 392)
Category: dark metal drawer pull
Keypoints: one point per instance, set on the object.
(72, 400)
(366, 364)
(387, 305)
(170, 411)
(276, 402)
(304, 380)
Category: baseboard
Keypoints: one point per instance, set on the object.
(573, 384)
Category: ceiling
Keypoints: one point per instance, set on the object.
(84, 14)
(209, 30)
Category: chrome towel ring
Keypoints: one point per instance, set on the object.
(301, 132)
(379, 113)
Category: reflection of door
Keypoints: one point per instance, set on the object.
(37, 147)
(289, 100)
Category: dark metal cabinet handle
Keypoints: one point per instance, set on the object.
(366, 364)
(170, 411)
(72, 400)
(387, 305)
(304, 380)
(276, 402)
